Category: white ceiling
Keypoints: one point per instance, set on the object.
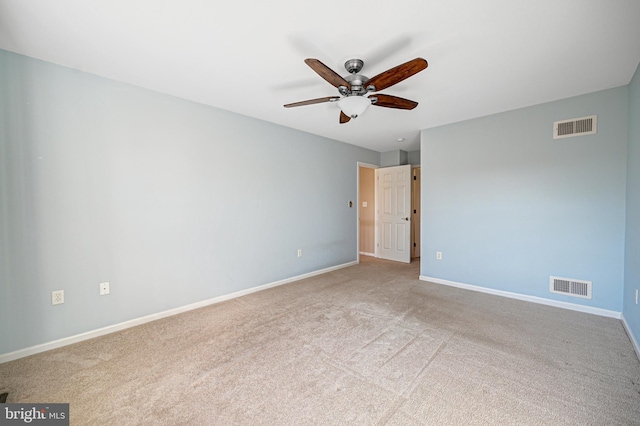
(485, 56)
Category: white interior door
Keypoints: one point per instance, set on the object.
(394, 213)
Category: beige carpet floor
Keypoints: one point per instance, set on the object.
(368, 344)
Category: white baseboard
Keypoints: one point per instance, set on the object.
(526, 298)
(634, 342)
(364, 253)
(21, 353)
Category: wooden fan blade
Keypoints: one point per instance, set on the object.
(327, 73)
(313, 101)
(344, 118)
(389, 101)
(397, 74)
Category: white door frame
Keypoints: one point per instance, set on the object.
(416, 218)
(358, 203)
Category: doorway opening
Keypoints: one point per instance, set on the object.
(368, 212)
(367, 233)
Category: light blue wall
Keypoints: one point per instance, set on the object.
(631, 310)
(399, 157)
(508, 205)
(170, 201)
(414, 157)
(393, 158)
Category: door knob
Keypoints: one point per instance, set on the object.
(406, 218)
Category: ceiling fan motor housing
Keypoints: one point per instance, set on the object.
(357, 82)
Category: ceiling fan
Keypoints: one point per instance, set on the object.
(355, 87)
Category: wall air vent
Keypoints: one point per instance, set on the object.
(570, 287)
(575, 127)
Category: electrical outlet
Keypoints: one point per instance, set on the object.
(104, 289)
(299, 252)
(57, 297)
(438, 255)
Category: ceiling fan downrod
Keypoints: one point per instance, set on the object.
(356, 80)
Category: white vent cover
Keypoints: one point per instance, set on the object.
(575, 127)
(570, 287)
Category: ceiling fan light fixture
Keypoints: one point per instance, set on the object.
(354, 106)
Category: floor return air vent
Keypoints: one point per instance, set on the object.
(570, 287)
